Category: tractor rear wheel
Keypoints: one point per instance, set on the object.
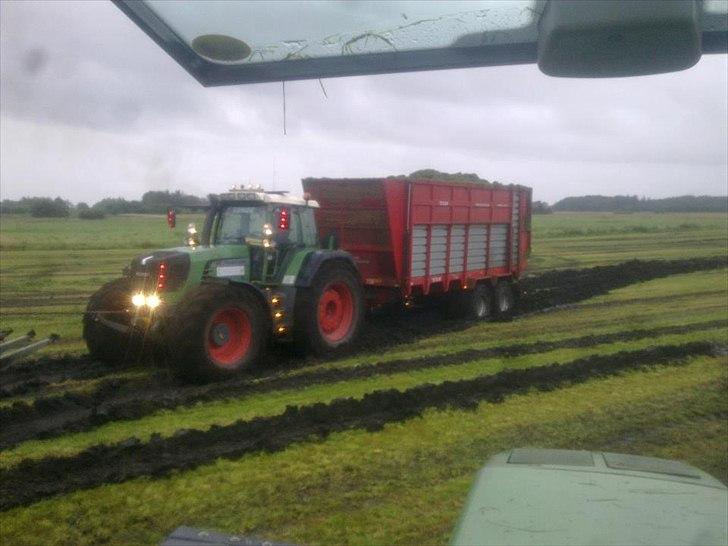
(104, 342)
(329, 313)
(216, 331)
(504, 299)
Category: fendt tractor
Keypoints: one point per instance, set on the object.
(271, 267)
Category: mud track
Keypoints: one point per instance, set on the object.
(562, 287)
(545, 291)
(56, 415)
(32, 480)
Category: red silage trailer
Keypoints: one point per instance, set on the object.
(413, 238)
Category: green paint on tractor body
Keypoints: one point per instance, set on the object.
(258, 245)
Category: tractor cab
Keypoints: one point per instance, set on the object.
(254, 216)
(267, 227)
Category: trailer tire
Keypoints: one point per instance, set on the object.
(476, 304)
(505, 300)
(216, 331)
(479, 303)
(104, 343)
(329, 313)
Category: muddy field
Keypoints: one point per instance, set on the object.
(130, 398)
(34, 480)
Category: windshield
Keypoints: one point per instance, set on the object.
(236, 223)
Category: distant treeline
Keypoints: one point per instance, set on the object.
(632, 203)
(158, 202)
(152, 202)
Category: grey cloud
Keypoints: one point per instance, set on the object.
(90, 106)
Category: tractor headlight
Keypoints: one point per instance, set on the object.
(152, 300)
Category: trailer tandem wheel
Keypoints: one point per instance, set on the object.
(505, 299)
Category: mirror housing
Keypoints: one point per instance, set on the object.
(609, 38)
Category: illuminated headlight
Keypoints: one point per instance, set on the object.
(152, 300)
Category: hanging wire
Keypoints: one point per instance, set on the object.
(323, 88)
(284, 106)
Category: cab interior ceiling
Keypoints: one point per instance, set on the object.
(229, 43)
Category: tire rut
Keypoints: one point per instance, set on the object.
(115, 401)
(33, 480)
(547, 290)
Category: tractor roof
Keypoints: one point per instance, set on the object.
(257, 193)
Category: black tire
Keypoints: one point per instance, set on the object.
(309, 334)
(216, 331)
(478, 303)
(474, 304)
(104, 343)
(505, 300)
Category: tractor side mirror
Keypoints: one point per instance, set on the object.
(171, 218)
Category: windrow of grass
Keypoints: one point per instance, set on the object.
(222, 412)
(405, 484)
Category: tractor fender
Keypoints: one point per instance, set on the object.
(259, 295)
(313, 262)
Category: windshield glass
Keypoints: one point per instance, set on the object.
(236, 223)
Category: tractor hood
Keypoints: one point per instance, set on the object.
(161, 270)
(185, 266)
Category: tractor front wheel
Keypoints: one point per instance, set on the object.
(108, 305)
(217, 331)
(329, 313)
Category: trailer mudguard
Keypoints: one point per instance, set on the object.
(313, 262)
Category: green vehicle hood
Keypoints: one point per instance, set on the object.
(548, 496)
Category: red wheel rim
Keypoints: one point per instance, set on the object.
(336, 312)
(228, 337)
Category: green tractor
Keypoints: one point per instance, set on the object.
(255, 273)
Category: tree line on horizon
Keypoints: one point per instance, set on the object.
(152, 202)
(633, 203)
(158, 202)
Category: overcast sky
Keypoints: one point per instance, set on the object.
(90, 107)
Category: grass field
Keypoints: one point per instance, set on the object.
(49, 267)
(403, 482)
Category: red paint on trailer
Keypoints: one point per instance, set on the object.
(374, 220)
